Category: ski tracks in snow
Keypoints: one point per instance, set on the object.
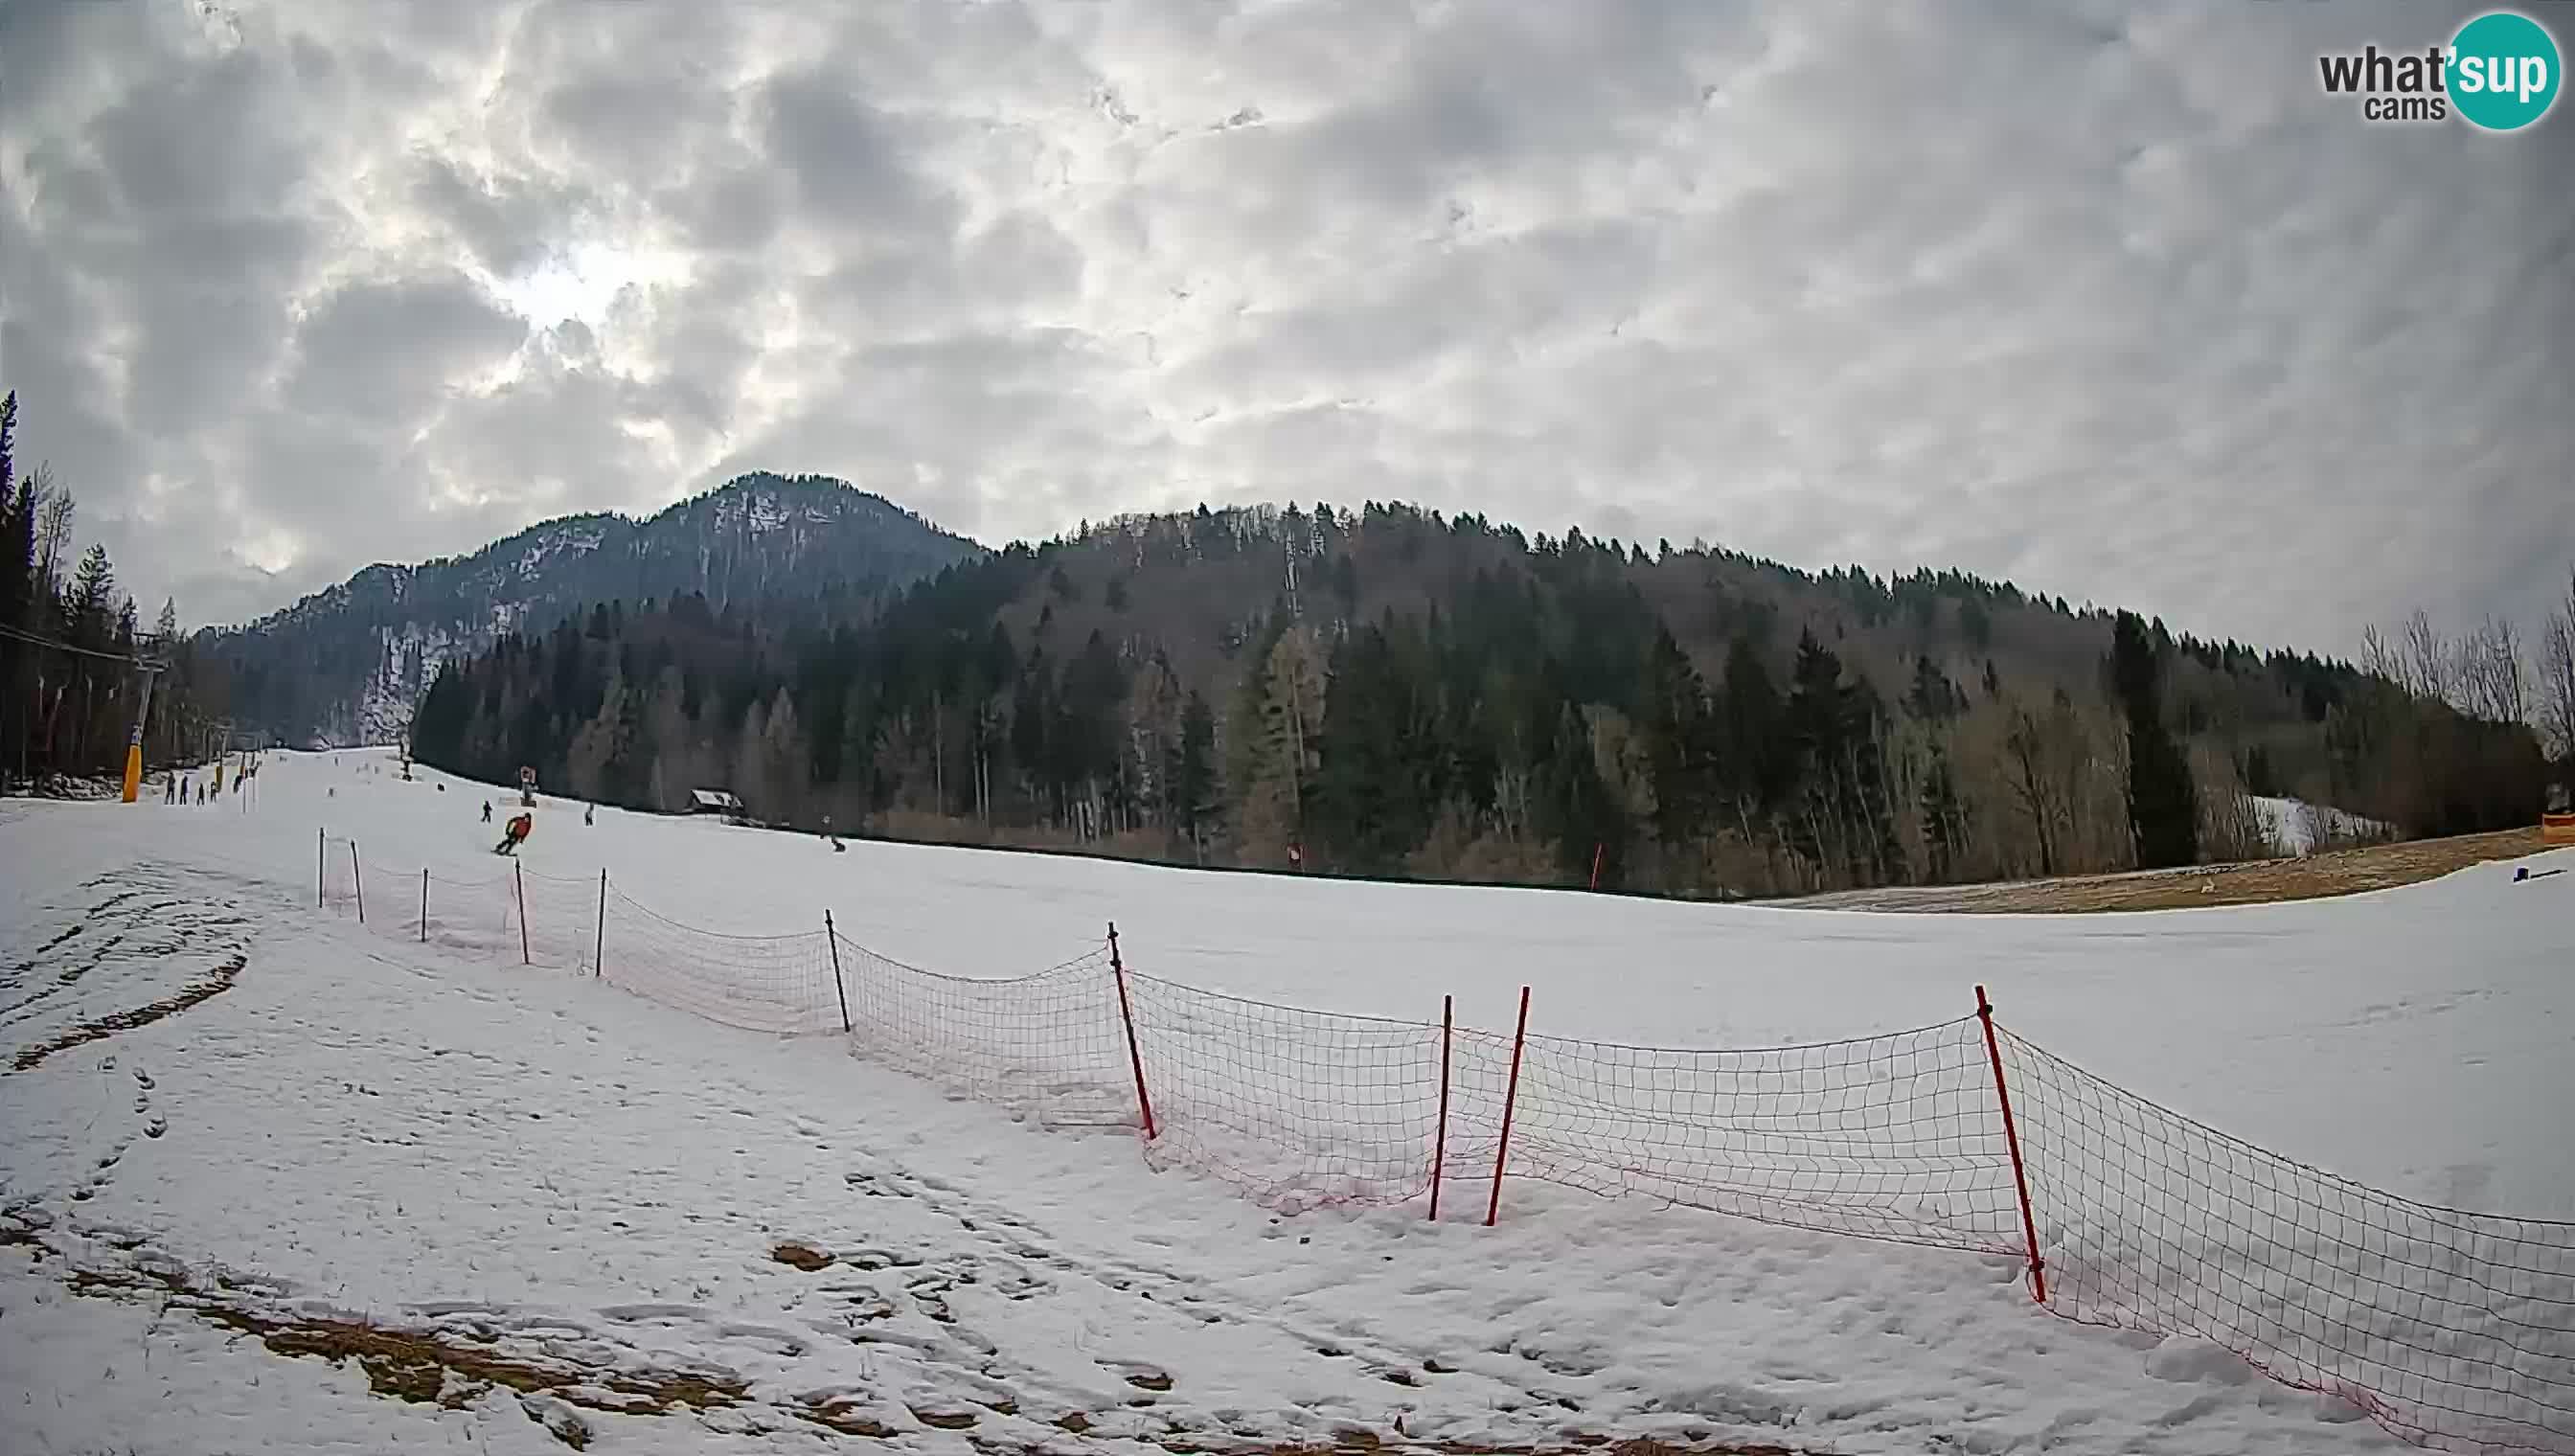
(460, 1156)
(1127, 1315)
(127, 947)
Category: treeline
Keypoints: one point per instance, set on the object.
(68, 641)
(930, 708)
(1420, 696)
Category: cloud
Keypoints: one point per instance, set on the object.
(2107, 298)
(388, 351)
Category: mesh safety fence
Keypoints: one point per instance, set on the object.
(1048, 1047)
(2453, 1330)
(1892, 1137)
(469, 914)
(781, 985)
(1297, 1109)
(556, 921)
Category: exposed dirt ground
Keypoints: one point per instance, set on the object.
(2333, 872)
(555, 1387)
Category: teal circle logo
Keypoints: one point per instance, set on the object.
(2504, 71)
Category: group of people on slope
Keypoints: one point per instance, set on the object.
(524, 822)
(185, 789)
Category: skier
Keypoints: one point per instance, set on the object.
(487, 810)
(588, 813)
(837, 847)
(515, 833)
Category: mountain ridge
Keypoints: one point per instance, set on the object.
(346, 665)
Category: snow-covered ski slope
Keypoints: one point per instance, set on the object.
(2295, 827)
(252, 1107)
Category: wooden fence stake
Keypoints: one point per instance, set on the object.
(1440, 1147)
(2011, 1139)
(832, 936)
(1511, 1103)
(1135, 1053)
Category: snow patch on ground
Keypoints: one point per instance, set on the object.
(2294, 827)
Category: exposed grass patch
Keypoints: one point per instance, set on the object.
(846, 1416)
(427, 1367)
(2257, 881)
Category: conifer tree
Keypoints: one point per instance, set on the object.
(2164, 810)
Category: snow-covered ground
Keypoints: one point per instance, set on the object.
(300, 1129)
(2295, 827)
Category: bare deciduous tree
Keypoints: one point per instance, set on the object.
(2557, 679)
(2231, 826)
(2376, 657)
(2487, 675)
(2042, 799)
(2427, 659)
(2482, 674)
(53, 528)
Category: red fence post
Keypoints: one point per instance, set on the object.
(424, 904)
(2011, 1139)
(1127, 1012)
(832, 936)
(1597, 851)
(321, 864)
(358, 877)
(1511, 1103)
(519, 885)
(599, 946)
(1440, 1148)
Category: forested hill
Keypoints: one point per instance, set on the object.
(348, 665)
(1389, 691)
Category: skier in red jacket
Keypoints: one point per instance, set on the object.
(515, 833)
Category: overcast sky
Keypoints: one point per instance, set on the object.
(2109, 300)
